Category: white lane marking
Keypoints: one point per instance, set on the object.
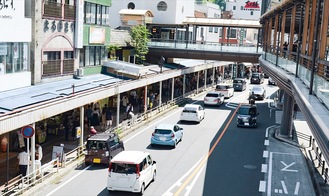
(178, 182)
(265, 154)
(266, 142)
(287, 166)
(69, 180)
(297, 188)
(284, 187)
(262, 186)
(189, 188)
(269, 181)
(266, 133)
(264, 168)
(152, 125)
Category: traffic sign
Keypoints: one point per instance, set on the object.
(27, 131)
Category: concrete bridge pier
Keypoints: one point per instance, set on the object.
(287, 116)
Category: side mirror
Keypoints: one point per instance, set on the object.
(154, 162)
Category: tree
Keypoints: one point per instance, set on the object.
(139, 39)
(221, 3)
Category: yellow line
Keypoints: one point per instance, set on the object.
(206, 157)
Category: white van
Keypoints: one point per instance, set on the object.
(131, 171)
(192, 112)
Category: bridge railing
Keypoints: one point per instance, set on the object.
(205, 46)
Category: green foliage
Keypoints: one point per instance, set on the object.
(139, 39)
(112, 48)
(221, 3)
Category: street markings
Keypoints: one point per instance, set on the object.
(265, 154)
(264, 168)
(262, 186)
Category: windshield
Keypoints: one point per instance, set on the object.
(255, 75)
(247, 111)
(123, 168)
(96, 145)
(212, 95)
(237, 81)
(162, 131)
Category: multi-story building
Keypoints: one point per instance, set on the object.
(15, 38)
(244, 9)
(96, 34)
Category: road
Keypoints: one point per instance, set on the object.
(215, 157)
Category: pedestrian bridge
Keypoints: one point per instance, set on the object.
(203, 51)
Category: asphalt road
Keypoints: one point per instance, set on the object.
(215, 156)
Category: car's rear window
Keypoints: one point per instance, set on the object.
(221, 87)
(96, 145)
(189, 111)
(247, 111)
(237, 81)
(162, 131)
(123, 168)
(255, 75)
(212, 95)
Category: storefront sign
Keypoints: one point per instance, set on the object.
(78, 132)
(79, 24)
(252, 5)
(97, 35)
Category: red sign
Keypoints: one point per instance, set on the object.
(252, 5)
(27, 131)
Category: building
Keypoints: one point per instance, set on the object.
(242, 9)
(15, 38)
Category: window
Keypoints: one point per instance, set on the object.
(96, 14)
(99, 14)
(201, 32)
(251, 13)
(220, 32)
(234, 7)
(92, 13)
(210, 29)
(231, 33)
(241, 8)
(93, 55)
(162, 6)
(216, 30)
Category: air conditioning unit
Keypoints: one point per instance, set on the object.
(80, 72)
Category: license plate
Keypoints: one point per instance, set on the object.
(246, 123)
(162, 138)
(97, 160)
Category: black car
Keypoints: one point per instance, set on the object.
(257, 78)
(239, 84)
(102, 147)
(247, 115)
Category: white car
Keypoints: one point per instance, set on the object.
(226, 89)
(192, 112)
(131, 171)
(213, 98)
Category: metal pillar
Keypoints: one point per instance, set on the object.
(32, 153)
(299, 38)
(197, 83)
(213, 76)
(172, 88)
(287, 116)
(118, 110)
(205, 79)
(184, 85)
(82, 124)
(145, 99)
(160, 92)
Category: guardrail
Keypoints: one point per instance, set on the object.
(19, 184)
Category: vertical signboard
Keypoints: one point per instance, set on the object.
(78, 42)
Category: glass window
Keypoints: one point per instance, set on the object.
(210, 29)
(68, 54)
(234, 7)
(99, 15)
(131, 5)
(92, 13)
(82, 58)
(98, 55)
(241, 8)
(162, 6)
(91, 55)
(216, 30)
(220, 31)
(251, 13)
(87, 13)
(232, 33)
(87, 60)
(104, 15)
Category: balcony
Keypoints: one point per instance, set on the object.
(58, 10)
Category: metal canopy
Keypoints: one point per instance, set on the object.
(222, 22)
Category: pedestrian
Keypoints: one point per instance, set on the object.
(104, 120)
(39, 155)
(130, 110)
(95, 122)
(23, 161)
(109, 118)
(285, 49)
(125, 102)
(89, 114)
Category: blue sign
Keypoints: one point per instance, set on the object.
(27, 131)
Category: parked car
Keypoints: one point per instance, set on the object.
(247, 115)
(213, 98)
(226, 89)
(131, 171)
(239, 84)
(257, 78)
(102, 147)
(167, 134)
(192, 112)
(271, 81)
(258, 92)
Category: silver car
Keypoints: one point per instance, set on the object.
(258, 92)
(213, 98)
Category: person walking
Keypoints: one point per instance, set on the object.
(39, 155)
(125, 102)
(130, 110)
(23, 161)
(108, 117)
(89, 114)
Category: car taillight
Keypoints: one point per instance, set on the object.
(110, 169)
(172, 135)
(138, 171)
(153, 134)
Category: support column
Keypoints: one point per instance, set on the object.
(292, 29)
(287, 116)
(82, 125)
(172, 89)
(32, 147)
(283, 26)
(118, 110)
(145, 99)
(184, 85)
(205, 79)
(213, 76)
(305, 26)
(197, 83)
(160, 93)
